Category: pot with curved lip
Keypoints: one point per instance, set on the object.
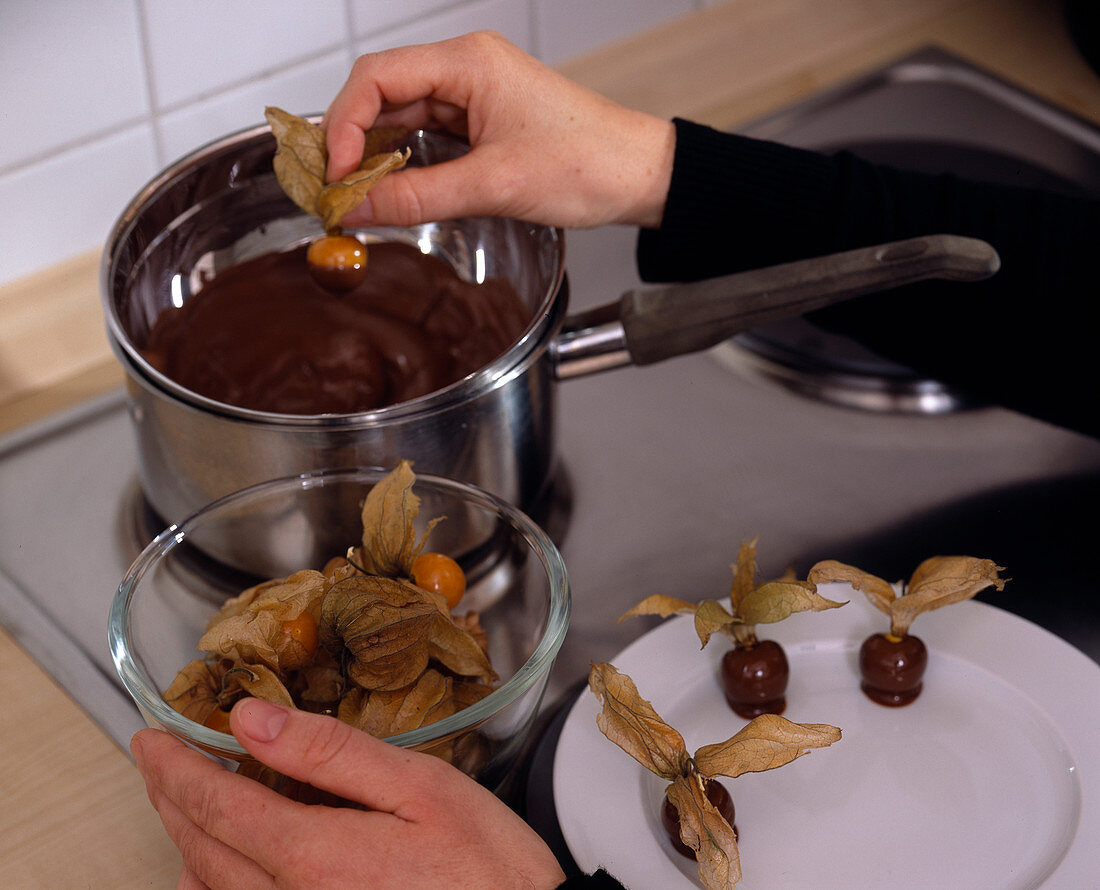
(496, 427)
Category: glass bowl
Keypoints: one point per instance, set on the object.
(516, 580)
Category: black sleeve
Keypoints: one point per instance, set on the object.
(1023, 339)
(600, 880)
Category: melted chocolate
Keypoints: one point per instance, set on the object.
(264, 335)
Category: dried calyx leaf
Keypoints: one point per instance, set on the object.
(249, 628)
(390, 543)
(704, 830)
(301, 159)
(750, 604)
(630, 722)
(938, 581)
(387, 713)
(198, 689)
(386, 630)
(767, 742)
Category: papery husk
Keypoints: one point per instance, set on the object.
(940, 581)
(744, 573)
(662, 605)
(259, 681)
(390, 544)
(879, 592)
(302, 589)
(249, 628)
(630, 722)
(470, 622)
(387, 630)
(767, 742)
(379, 627)
(300, 157)
(384, 714)
(777, 600)
(750, 604)
(197, 689)
(711, 617)
(705, 831)
(320, 684)
(340, 567)
(459, 651)
(301, 161)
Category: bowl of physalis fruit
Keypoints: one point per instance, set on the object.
(434, 625)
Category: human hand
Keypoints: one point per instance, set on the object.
(543, 148)
(427, 824)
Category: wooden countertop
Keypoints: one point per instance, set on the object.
(75, 811)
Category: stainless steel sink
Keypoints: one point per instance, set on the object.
(934, 113)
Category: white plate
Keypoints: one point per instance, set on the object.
(990, 779)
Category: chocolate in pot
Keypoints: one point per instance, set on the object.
(264, 335)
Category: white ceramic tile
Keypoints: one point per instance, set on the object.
(74, 197)
(302, 89)
(67, 71)
(511, 17)
(570, 27)
(202, 46)
(371, 16)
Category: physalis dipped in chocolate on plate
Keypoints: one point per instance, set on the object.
(337, 261)
(696, 824)
(892, 664)
(754, 672)
(360, 639)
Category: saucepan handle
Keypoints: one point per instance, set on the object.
(651, 324)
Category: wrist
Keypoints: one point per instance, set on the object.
(649, 156)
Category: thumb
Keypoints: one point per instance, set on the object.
(328, 754)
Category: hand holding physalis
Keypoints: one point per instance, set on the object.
(421, 822)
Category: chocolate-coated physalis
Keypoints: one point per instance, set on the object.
(754, 673)
(337, 262)
(892, 664)
(694, 804)
(892, 668)
(754, 678)
(719, 798)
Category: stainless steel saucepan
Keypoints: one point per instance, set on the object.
(496, 427)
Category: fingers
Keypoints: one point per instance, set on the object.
(208, 864)
(334, 757)
(403, 79)
(210, 813)
(188, 881)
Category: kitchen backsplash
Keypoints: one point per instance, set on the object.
(97, 96)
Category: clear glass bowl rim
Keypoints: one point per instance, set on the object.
(149, 699)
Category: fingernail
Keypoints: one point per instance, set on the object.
(260, 720)
(136, 750)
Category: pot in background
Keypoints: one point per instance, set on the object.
(221, 205)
